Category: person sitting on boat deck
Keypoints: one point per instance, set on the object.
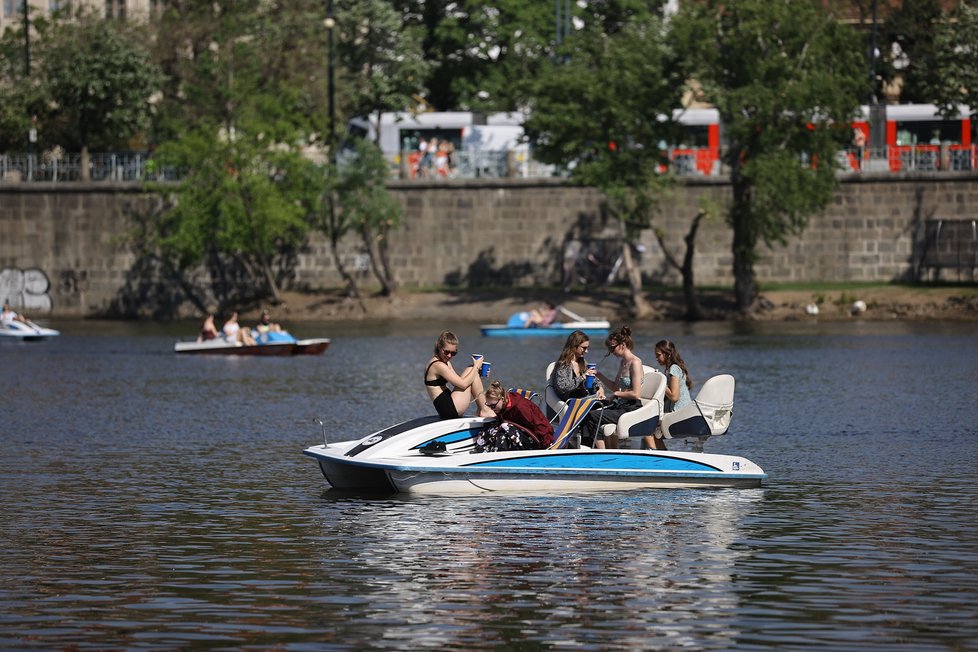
(245, 338)
(451, 403)
(208, 331)
(8, 316)
(231, 327)
(626, 389)
(541, 318)
(569, 377)
(678, 384)
(265, 323)
(519, 423)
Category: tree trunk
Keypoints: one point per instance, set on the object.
(640, 307)
(273, 289)
(332, 232)
(694, 312)
(378, 262)
(84, 174)
(744, 242)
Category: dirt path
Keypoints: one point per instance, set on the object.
(881, 303)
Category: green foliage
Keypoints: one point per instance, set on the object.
(955, 79)
(242, 199)
(909, 48)
(99, 81)
(599, 110)
(362, 190)
(244, 63)
(384, 67)
(367, 206)
(787, 80)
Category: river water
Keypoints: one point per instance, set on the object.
(154, 501)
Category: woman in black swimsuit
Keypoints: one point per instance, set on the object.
(451, 403)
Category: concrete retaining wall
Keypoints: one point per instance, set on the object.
(473, 232)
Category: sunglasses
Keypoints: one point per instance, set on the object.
(493, 406)
(450, 353)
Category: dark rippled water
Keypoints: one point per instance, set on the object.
(154, 501)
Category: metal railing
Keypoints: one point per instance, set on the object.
(474, 164)
(120, 166)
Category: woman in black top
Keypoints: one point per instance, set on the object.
(452, 402)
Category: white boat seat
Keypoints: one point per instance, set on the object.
(645, 420)
(707, 416)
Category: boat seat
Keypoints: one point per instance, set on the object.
(644, 420)
(707, 416)
(573, 412)
(528, 394)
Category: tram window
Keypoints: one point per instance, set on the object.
(411, 138)
(928, 132)
(695, 136)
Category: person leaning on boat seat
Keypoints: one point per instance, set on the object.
(541, 318)
(451, 403)
(519, 423)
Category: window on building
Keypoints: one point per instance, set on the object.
(12, 7)
(55, 6)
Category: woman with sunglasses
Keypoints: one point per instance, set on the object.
(626, 388)
(519, 423)
(569, 377)
(451, 403)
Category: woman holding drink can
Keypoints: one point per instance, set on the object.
(452, 402)
(572, 377)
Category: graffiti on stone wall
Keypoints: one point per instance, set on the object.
(25, 289)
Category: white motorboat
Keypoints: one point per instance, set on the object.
(26, 331)
(430, 455)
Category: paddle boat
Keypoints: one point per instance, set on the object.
(429, 455)
(26, 331)
(278, 343)
(514, 326)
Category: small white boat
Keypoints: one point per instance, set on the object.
(271, 344)
(26, 331)
(593, 326)
(430, 455)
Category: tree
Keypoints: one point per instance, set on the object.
(368, 206)
(485, 55)
(603, 107)
(786, 79)
(909, 48)
(99, 80)
(956, 76)
(381, 56)
(243, 202)
(243, 116)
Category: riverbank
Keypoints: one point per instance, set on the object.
(882, 302)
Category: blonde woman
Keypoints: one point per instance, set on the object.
(451, 392)
(519, 424)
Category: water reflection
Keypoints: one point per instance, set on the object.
(153, 501)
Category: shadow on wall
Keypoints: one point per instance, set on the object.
(161, 287)
(26, 289)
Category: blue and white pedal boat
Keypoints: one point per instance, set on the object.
(593, 326)
(401, 459)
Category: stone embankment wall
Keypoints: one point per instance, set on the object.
(70, 237)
